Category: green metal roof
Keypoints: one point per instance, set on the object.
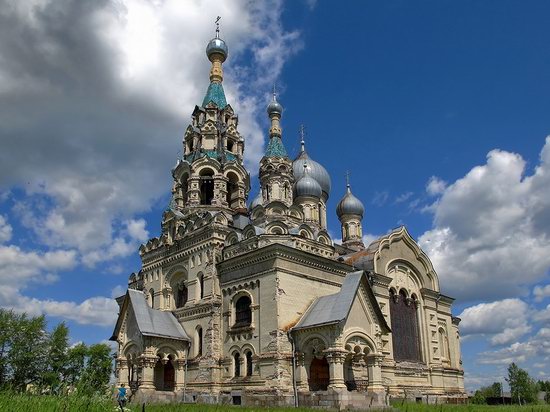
(275, 148)
(216, 95)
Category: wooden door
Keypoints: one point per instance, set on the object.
(319, 375)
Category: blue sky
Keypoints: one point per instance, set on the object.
(439, 109)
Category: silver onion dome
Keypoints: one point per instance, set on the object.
(258, 201)
(350, 205)
(274, 107)
(314, 170)
(307, 186)
(217, 46)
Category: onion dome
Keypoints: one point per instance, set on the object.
(258, 201)
(216, 46)
(307, 185)
(350, 205)
(274, 107)
(314, 169)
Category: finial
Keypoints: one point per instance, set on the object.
(218, 27)
(302, 134)
(347, 181)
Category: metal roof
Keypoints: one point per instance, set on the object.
(150, 322)
(332, 309)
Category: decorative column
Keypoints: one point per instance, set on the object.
(301, 372)
(122, 370)
(374, 365)
(336, 361)
(148, 363)
(180, 373)
(193, 191)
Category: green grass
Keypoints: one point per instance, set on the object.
(416, 407)
(10, 402)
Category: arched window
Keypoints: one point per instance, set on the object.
(443, 345)
(249, 363)
(201, 286)
(182, 295)
(152, 294)
(232, 188)
(199, 341)
(230, 145)
(207, 187)
(237, 360)
(404, 326)
(243, 312)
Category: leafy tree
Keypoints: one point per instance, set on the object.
(76, 360)
(58, 343)
(523, 388)
(97, 372)
(478, 398)
(6, 338)
(27, 354)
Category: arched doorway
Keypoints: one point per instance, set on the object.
(164, 374)
(319, 375)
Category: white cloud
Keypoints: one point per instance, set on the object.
(519, 352)
(541, 293)
(136, 230)
(491, 228)
(19, 269)
(403, 197)
(435, 186)
(5, 230)
(505, 321)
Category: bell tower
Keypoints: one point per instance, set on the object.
(276, 178)
(211, 174)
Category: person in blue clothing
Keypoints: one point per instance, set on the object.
(121, 396)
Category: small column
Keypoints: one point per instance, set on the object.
(242, 369)
(374, 365)
(148, 372)
(180, 373)
(336, 369)
(301, 372)
(193, 191)
(122, 368)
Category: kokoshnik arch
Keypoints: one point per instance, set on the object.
(255, 304)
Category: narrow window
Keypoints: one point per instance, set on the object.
(152, 294)
(201, 286)
(243, 312)
(207, 187)
(182, 295)
(199, 342)
(237, 360)
(248, 363)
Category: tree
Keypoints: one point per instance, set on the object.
(523, 388)
(6, 339)
(58, 343)
(76, 360)
(97, 372)
(27, 354)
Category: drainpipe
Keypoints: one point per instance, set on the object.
(293, 368)
(185, 372)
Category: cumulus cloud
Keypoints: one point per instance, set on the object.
(20, 268)
(136, 229)
(435, 186)
(519, 352)
(491, 228)
(505, 321)
(541, 292)
(5, 230)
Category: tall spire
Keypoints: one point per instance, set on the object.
(275, 147)
(302, 135)
(217, 52)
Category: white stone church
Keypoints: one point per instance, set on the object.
(254, 304)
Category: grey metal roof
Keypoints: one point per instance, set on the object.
(335, 308)
(151, 322)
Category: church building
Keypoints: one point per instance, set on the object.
(255, 304)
